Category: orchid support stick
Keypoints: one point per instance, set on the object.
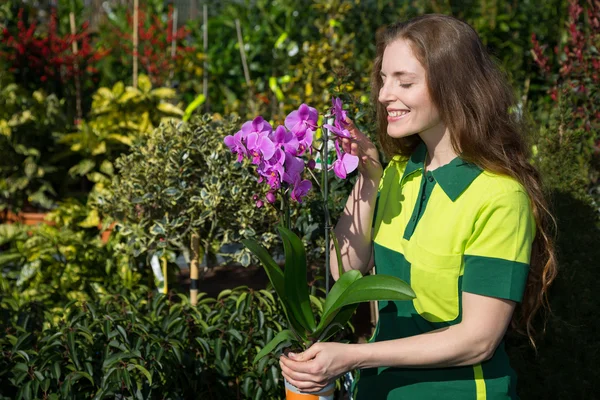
(325, 187)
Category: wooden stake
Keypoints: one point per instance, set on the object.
(135, 42)
(205, 49)
(195, 259)
(76, 68)
(164, 270)
(243, 53)
(173, 42)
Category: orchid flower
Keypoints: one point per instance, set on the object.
(260, 147)
(305, 143)
(339, 113)
(300, 189)
(303, 119)
(345, 163)
(340, 132)
(257, 125)
(293, 168)
(272, 169)
(282, 138)
(236, 145)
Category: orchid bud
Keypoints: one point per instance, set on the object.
(311, 164)
(270, 197)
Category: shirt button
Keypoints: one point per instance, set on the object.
(430, 179)
(423, 197)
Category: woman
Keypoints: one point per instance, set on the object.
(458, 213)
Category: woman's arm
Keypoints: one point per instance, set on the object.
(472, 341)
(353, 230)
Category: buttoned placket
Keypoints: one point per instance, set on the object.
(427, 184)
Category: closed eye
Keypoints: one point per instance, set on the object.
(405, 85)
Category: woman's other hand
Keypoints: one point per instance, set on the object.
(359, 145)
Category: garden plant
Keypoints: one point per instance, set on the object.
(278, 155)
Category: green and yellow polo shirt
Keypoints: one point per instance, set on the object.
(456, 228)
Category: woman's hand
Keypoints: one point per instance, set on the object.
(315, 368)
(359, 145)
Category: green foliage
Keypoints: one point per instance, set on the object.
(118, 117)
(26, 144)
(292, 288)
(567, 347)
(67, 261)
(144, 345)
(179, 180)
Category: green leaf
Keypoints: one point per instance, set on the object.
(285, 336)
(280, 40)
(73, 349)
(368, 288)
(143, 371)
(338, 255)
(157, 229)
(144, 83)
(168, 108)
(342, 284)
(236, 335)
(275, 88)
(271, 268)
(277, 280)
(296, 284)
(198, 101)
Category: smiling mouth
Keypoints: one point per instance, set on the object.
(397, 114)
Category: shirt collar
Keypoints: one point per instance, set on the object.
(454, 177)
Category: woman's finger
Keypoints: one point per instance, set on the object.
(354, 131)
(346, 145)
(354, 150)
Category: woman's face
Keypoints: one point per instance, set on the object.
(405, 94)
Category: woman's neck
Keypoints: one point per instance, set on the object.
(439, 147)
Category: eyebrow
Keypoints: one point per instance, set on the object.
(398, 74)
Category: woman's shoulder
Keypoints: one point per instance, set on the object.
(490, 185)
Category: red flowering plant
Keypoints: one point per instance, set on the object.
(282, 157)
(154, 45)
(575, 76)
(46, 59)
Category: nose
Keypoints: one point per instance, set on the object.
(385, 94)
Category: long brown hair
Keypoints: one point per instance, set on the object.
(477, 105)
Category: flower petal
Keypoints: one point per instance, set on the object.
(338, 169)
(350, 162)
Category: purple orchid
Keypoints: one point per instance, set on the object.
(301, 189)
(270, 197)
(259, 203)
(293, 168)
(272, 170)
(260, 147)
(236, 145)
(282, 138)
(303, 119)
(305, 142)
(257, 125)
(345, 163)
(339, 113)
(340, 132)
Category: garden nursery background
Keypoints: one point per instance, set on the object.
(114, 179)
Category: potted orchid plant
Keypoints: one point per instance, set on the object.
(282, 156)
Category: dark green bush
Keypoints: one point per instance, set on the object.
(142, 345)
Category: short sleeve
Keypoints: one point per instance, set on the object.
(497, 255)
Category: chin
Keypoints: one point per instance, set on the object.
(399, 133)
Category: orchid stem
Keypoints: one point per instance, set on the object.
(325, 189)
